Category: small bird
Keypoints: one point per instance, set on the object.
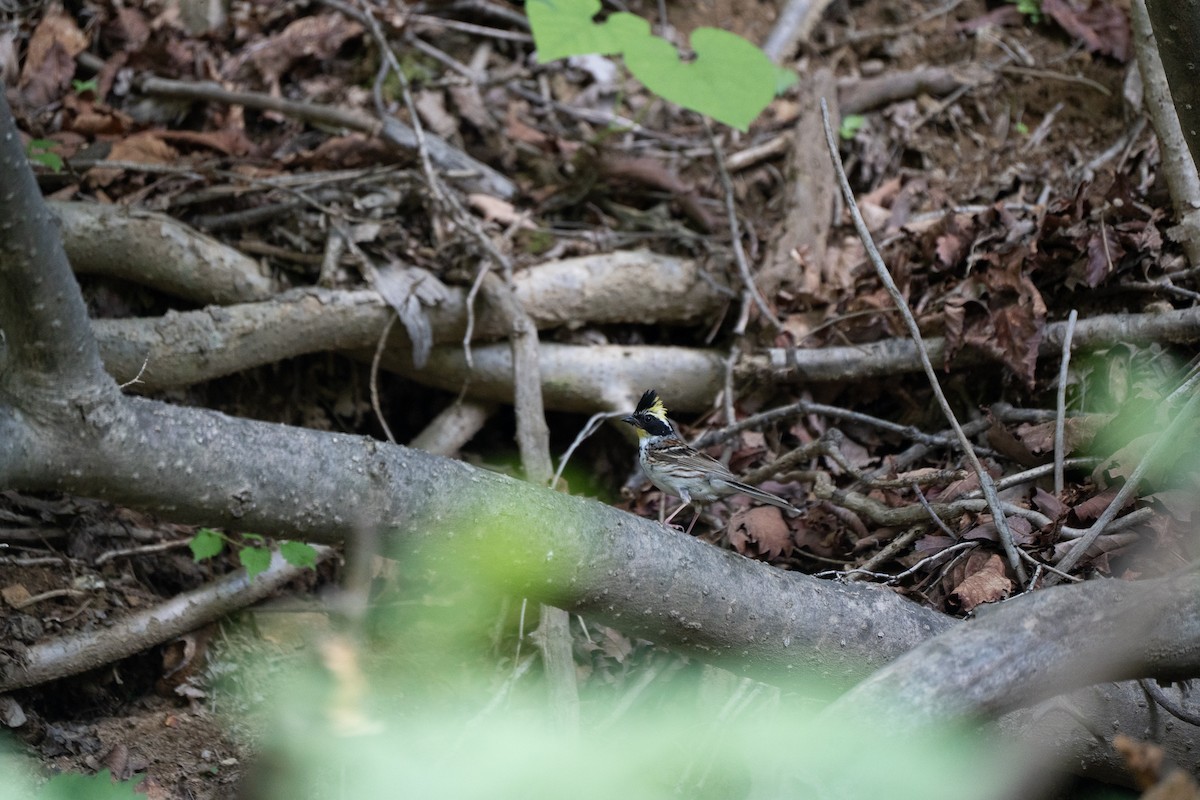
(679, 469)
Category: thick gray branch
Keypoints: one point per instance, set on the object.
(1177, 29)
(896, 356)
(156, 250)
(1038, 645)
(201, 466)
(45, 339)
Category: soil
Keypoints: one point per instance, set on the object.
(1046, 108)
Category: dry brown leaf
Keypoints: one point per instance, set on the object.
(1078, 433)
(760, 532)
(128, 31)
(1091, 509)
(1049, 505)
(431, 105)
(15, 594)
(319, 36)
(493, 209)
(987, 585)
(1102, 27)
(141, 148)
(469, 102)
(230, 141)
(50, 59)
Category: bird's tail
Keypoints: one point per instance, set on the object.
(759, 494)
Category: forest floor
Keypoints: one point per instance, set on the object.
(1026, 184)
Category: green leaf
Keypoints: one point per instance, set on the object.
(563, 28)
(81, 87)
(730, 79)
(298, 554)
(255, 560)
(1031, 9)
(206, 544)
(73, 786)
(39, 151)
(851, 125)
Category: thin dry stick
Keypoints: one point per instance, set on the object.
(390, 129)
(1060, 418)
(1169, 437)
(932, 514)
(158, 547)
(593, 424)
(379, 348)
(735, 231)
(833, 412)
(885, 277)
(955, 548)
(735, 353)
(1176, 710)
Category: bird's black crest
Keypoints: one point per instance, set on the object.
(649, 399)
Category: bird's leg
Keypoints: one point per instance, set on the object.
(667, 521)
(689, 530)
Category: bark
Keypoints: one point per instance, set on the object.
(156, 250)
(195, 465)
(1177, 163)
(1176, 30)
(1038, 645)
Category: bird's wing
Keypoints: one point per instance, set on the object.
(689, 458)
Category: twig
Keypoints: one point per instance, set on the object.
(453, 427)
(593, 425)
(468, 27)
(158, 547)
(390, 129)
(1178, 166)
(1168, 438)
(472, 294)
(735, 234)
(820, 409)
(794, 23)
(136, 378)
(985, 480)
(932, 514)
(379, 348)
(894, 31)
(84, 650)
(1048, 74)
(1039, 566)
(1170, 706)
(52, 594)
(735, 352)
(1060, 419)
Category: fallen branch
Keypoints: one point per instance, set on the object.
(1038, 645)
(579, 379)
(155, 250)
(184, 348)
(476, 175)
(898, 356)
(79, 652)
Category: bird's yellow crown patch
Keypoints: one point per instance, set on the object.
(652, 405)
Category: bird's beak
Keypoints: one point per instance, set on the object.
(631, 420)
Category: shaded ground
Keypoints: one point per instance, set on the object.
(1037, 146)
